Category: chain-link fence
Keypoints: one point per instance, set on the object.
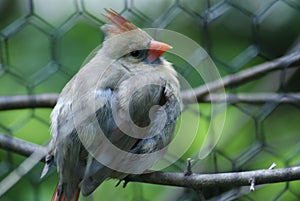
(44, 43)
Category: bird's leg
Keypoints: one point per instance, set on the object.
(124, 184)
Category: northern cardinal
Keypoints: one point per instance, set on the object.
(127, 89)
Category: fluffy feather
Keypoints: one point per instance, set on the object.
(114, 80)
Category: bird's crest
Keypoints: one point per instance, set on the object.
(118, 24)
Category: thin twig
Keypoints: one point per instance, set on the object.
(252, 184)
(237, 79)
(252, 98)
(272, 166)
(195, 181)
(28, 101)
(188, 171)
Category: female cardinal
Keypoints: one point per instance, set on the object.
(117, 115)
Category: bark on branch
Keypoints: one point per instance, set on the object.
(28, 101)
(49, 100)
(252, 98)
(195, 181)
(237, 79)
(19, 146)
(202, 93)
(198, 181)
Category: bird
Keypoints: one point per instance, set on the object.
(118, 113)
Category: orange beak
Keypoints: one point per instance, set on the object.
(156, 49)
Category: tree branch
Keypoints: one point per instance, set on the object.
(252, 98)
(19, 146)
(201, 93)
(28, 101)
(195, 181)
(198, 181)
(49, 100)
(289, 61)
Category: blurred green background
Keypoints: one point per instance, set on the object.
(43, 43)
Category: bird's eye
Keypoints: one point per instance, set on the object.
(136, 53)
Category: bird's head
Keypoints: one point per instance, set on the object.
(132, 47)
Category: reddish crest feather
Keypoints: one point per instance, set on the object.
(119, 22)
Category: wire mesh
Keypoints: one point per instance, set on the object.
(43, 44)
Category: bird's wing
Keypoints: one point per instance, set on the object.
(163, 124)
(96, 172)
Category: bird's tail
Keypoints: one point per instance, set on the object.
(61, 195)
